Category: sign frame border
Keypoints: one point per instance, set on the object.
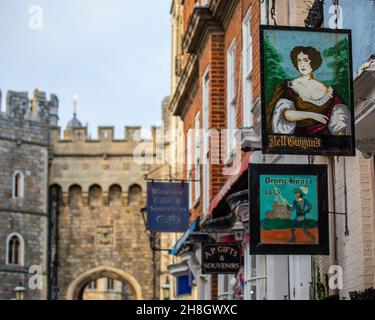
(265, 148)
(220, 244)
(256, 247)
(165, 230)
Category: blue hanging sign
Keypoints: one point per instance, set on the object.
(167, 207)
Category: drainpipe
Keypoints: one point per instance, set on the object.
(154, 275)
(268, 11)
(56, 262)
(49, 221)
(313, 262)
(346, 201)
(333, 178)
(49, 248)
(53, 262)
(153, 242)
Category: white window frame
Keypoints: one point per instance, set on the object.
(93, 285)
(189, 165)
(247, 70)
(21, 193)
(264, 15)
(204, 287)
(110, 284)
(206, 141)
(225, 286)
(255, 276)
(21, 250)
(197, 157)
(231, 98)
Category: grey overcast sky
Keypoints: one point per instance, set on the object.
(114, 54)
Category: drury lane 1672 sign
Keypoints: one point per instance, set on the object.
(307, 91)
(167, 207)
(288, 209)
(221, 258)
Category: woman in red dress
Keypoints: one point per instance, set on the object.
(305, 106)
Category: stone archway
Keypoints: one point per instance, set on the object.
(77, 286)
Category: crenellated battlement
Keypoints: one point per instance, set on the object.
(35, 120)
(78, 141)
(19, 107)
(28, 119)
(104, 134)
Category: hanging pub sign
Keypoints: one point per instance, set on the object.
(221, 258)
(307, 91)
(167, 207)
(288, 209)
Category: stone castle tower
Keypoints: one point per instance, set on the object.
(100, 191)
(79, 215)
(24, 141)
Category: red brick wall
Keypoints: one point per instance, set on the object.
(217, 104)
(214, 55)
(188, 11)
(234, 31)
(255, 23)
(189, 123)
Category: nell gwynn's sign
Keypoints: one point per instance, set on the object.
(288, 209)
(167, 207)
(307, 91)
(221, 258)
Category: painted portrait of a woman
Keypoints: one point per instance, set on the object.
(306, 106)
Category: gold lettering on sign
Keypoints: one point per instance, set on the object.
(293, 142)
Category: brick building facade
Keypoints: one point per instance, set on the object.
(219, 88)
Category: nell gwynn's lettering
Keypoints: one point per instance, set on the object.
(281, 141)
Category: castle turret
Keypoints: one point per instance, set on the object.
(17, 103)
(24, 172)
(39, 106)
(53, 107)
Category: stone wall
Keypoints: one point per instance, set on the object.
(24, 148)
(100, 224)
(33, 229)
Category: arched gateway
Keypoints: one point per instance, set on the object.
(97, 230)
(76, 288)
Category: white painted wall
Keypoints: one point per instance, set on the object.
(277, 280)
(299, 277)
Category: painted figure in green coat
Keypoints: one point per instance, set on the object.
(302, 207)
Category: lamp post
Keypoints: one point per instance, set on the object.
(166, 289)
(20, 292)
